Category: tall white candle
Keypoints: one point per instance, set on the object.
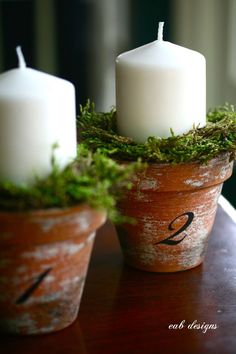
(37, 110)
(160, 86)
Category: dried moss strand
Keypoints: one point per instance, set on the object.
(93, 179)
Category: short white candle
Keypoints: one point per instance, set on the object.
(37, 110)
(160, 86)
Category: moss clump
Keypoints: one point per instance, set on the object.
(92, 178)
(99, 131)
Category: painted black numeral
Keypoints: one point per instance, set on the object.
(170, 240)
(24, 297)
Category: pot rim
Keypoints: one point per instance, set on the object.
(224, 156)
(54, 210)
(48, 226)
(181, 177)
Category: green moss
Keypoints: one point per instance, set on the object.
(99, 131)
(92, 178)
(96, 179)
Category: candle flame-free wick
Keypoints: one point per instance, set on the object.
(21, 59)
(160, 31)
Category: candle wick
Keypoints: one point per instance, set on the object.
(160, 31)
(21, 59)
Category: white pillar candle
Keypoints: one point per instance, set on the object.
(37, 110)
(160, 86)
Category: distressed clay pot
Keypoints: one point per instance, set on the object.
(44, 257)
(174, 207)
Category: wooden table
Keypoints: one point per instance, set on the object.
(124, 310)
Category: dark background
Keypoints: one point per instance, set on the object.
(73, 34)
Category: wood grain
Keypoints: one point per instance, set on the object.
(125, 310)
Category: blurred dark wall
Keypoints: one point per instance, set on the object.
(73, 43)
(17, 28)
(74, 37)
(145, 18)
(229, 189)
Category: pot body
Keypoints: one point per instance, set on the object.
(44, 257)
(174, 207)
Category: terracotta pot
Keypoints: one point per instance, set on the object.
(174, 207)
(44, 257)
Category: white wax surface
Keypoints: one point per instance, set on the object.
(37, 110)
(160, 86)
